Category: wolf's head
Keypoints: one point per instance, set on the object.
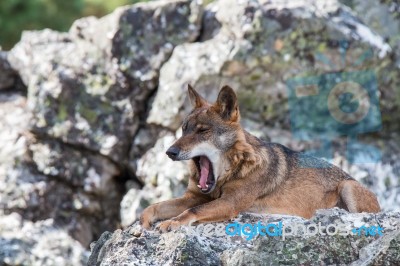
(208, 132)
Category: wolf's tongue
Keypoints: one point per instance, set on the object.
(204, 170)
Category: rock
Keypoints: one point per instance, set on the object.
(91, 172)
(259, 46)
(145, 139)
(168, 174)
(88, 87)
(141, 38)
(56, 80)
(188, 64)
(44, 179)
(14, 118)
(38, 197)
(210, 24)
(387, 248)
(92, 178)
(383, 17)
(189, 246)
(8, 76)
(24, 242)
(163, 179)
(96, 247)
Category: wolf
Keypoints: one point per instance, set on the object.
(233, 171)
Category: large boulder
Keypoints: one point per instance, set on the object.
(36, 197)
(46, 179)
(210, 245)
(261, 45)
(37, 243)
(88, 87)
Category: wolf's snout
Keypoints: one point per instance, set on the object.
(173, 152)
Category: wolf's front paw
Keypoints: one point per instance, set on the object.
(169, 225)
(147, 218)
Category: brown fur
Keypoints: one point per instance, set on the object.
(252, 175)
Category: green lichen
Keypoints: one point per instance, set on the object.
(89, 114)
(62, 113)
(387, 182)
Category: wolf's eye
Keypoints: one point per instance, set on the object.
(202, 129)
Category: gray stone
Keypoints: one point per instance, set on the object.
(259, 46)
(96, 246)
(383, 17)
(14, 118)
(191, 247)
(45, 179)
(23, 242)
(163, 179)
(92, 172)
(145, 139)
(8, 75)
(88, 87)
(64, 94)
(384, 251)
(38, 197)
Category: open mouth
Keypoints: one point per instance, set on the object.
(207, 179)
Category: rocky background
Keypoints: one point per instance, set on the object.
(86, 116)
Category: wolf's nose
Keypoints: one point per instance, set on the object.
(173, 152)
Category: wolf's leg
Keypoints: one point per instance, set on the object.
(221, 209)
(169, 208)
(357, 198)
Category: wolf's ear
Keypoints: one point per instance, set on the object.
(195, 99)
(227, 105)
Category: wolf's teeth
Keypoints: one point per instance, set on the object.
(206, 185)
(198, 186)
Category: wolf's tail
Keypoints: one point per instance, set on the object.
(356, 198)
